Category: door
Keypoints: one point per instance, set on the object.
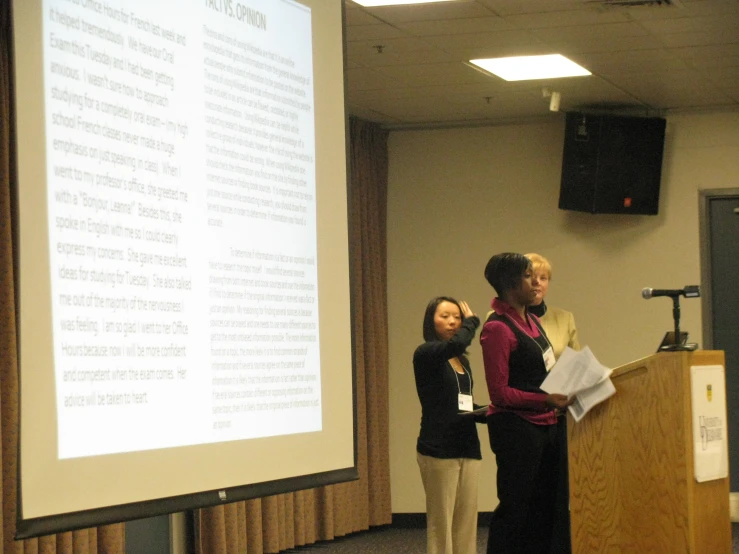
(720, 276)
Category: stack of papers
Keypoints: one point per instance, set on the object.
(580, 374)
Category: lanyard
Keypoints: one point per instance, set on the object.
(541, 332)
(456, 376)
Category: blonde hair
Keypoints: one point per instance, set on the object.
(540, 264)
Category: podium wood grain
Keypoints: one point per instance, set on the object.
(632, 488)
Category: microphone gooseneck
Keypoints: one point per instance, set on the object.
(689, 291)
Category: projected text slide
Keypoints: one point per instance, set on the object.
(182, 227)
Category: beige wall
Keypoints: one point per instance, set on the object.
(458, 196)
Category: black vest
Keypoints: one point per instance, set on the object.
(526, 368)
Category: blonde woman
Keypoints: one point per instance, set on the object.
(559, 325)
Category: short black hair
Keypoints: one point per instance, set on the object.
(429, 329)
(504, 271)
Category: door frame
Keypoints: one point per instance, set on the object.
(705, 197)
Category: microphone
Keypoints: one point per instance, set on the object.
(689, 291)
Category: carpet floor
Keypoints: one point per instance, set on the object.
(391, 540)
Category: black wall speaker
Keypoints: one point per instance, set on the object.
(612, 165)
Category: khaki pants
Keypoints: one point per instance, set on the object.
(451, 503)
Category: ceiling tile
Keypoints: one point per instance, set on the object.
(364, 78)
(390, 45)
(726, 74)
(508, 7)
(577, 44)
(369, 114)
(675, 40)
(459, 9)
(672, 90)
(478, 91)
(372, 32)
(707, 53)
(567, 18)
(715, 23)
(456, 26)
(481, 40)
(371, 58)
(632, 62)
(590, 32)
(730, 88)
(357, 16)
(591, 90)
(687, 8)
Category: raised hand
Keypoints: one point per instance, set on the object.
(466, 311)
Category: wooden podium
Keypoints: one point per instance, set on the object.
(632, 484)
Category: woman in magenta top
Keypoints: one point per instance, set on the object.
(522, 419)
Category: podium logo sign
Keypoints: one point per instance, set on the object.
(710, 448)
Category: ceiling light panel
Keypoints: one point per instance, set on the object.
(522, 68)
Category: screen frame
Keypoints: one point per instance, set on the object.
(39, 526)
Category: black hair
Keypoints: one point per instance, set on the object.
(504, 271)
(429, 329)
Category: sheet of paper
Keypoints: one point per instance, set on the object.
(581, 375)
(593, 396)
(575, 372)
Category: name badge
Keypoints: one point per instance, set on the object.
(465, 402)
(549, 360)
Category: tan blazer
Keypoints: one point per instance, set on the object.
(559, 325)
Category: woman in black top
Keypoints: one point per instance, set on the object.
(448, 448)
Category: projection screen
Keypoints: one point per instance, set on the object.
(184, 296)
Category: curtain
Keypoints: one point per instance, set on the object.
(102, 540)
(280, 522)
